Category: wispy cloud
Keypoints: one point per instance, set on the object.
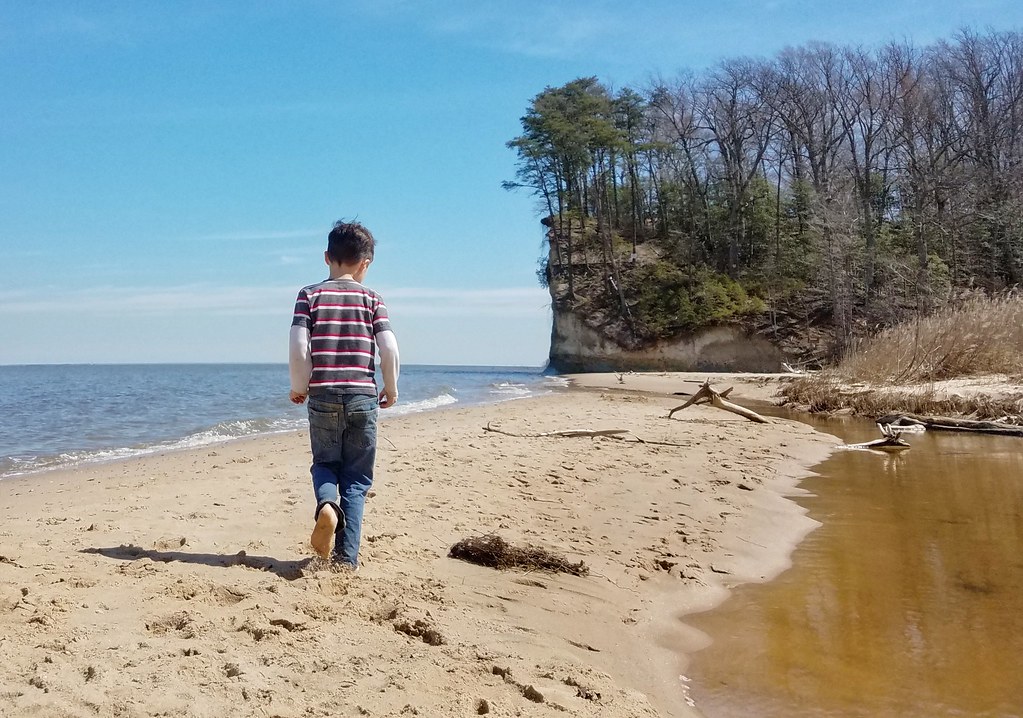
(97, 112)
(99, 25)
(18, 253)
(79, 26)
(466, 295)
(548, 30)
(556, 28)
(666, 34)
(126, 302)
(505, 302)
(257, 235)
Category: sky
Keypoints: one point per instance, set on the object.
(169, 171)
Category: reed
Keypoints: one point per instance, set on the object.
(822, 394)
(982, 335)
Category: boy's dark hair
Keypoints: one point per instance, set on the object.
(350, 243)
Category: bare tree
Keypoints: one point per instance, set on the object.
(740, 125)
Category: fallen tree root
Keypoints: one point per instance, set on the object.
(940, 423)
(708, 395)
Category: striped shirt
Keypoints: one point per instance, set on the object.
(343, 318)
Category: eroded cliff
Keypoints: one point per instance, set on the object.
(576, 347)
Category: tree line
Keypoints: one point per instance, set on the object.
(883, 180)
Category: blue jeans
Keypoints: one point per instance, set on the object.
(343, 434)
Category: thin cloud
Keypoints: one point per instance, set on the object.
(127, 301)
(466, 295)
(546, 31)
(21, 253)
(258, 235)
(503, 302)
(247, 300)
(78, 26)
(94, 113)
(550, 29)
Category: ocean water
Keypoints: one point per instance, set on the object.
(62, 415)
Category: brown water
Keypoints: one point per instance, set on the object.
(907, 601)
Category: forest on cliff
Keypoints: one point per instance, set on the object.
(827, 188)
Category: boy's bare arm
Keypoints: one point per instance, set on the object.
(390, 367)
(300, 364)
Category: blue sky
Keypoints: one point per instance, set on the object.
(168, 171)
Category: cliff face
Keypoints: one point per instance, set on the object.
(576, 347)
(622, 309)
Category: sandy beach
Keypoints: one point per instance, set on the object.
(181, 584)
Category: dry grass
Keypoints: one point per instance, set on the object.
(825, 393)
(982, 336)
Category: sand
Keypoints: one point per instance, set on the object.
(183, 584)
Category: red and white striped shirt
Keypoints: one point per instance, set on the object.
(343, 318)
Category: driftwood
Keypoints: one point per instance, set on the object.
(940, 423)
(707, 395)
(619, 434)
(892, 440)
(564, 433)
(723, 394)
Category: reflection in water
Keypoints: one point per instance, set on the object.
(908, 601)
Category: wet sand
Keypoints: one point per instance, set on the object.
(182, 584)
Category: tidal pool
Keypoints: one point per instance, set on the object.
(907, 601)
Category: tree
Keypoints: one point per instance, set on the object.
(880, 178)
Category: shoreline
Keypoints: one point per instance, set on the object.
(189, 407)
(172, 446)
(182, 572)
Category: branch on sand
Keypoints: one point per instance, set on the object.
(619, 434)
(566, 432)
(708, 395)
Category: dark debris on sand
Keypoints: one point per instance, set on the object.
(494, 552)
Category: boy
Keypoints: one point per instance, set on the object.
(337, 328)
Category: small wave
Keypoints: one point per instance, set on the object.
(224, 431)
(423, 405)
(510, 389)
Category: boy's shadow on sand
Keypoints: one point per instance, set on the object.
(289, 570)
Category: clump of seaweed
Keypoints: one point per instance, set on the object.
(492, 551)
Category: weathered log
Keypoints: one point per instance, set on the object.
(707, 395)
(941, 423)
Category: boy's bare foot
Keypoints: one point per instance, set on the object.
(323, 532)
